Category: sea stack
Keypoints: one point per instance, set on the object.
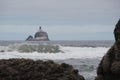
(40, 35)
(109, 67)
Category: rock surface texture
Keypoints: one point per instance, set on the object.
(29, 38)
(39, 36)
(109, 67)
(25, 69)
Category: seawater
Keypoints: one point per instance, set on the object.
(82, 55)
(81, 43)
(87, 67)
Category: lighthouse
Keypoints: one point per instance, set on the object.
(40, 35)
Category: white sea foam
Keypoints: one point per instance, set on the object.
(69, 52)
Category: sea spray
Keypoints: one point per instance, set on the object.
(30, 48)
(84, 58)
(40, 48)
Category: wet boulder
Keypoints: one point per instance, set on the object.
(109, 67)
(26, 69)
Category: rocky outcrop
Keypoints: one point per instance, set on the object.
(29, 38)
(39, 36)
(109, 67)
(26, 69)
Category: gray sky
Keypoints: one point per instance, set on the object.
(62, 19)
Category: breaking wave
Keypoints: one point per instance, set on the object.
(30, 48)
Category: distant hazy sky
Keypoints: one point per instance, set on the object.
(62, 19)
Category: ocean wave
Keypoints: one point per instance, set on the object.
(67, 53)
(39, 48)
(30, 48)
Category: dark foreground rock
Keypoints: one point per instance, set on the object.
(109, 67)
(26, 69)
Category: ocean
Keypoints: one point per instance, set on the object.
(82, 55)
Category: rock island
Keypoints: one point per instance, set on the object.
(40, 35)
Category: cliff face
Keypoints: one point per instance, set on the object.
(109, 67)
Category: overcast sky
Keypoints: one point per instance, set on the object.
(62, 19)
